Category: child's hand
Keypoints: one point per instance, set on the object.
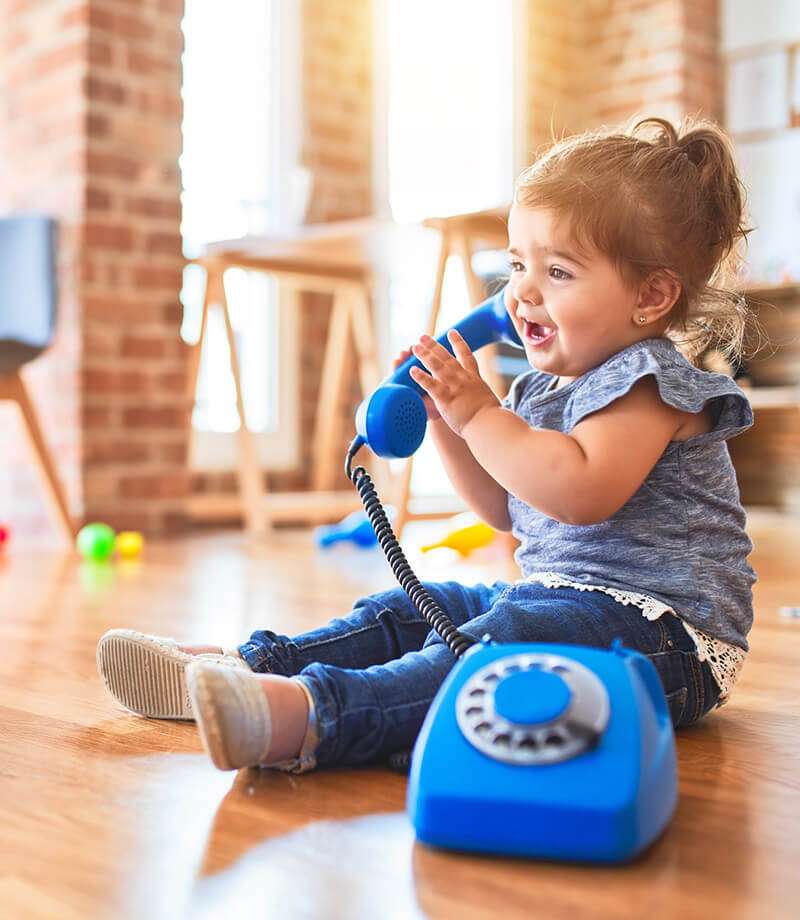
(433, 414)
(454, 383)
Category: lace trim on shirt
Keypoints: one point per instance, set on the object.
(725, 660)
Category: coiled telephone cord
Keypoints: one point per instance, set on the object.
(456, 641)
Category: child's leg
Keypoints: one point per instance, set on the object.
(366, 715)
(246, 718)
(379, 628)
(146, 673)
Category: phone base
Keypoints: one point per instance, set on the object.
(550, 751)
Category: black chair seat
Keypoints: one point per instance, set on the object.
(27, 288)
(13, 355)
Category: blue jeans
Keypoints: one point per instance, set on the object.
(374, 673)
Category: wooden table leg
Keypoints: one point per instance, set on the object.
(196, 353)
(12, 387)
(331, 390)
(369, 372)
(438, 286)
(487, 356)
(364, 337)
(251, 479)
(402, 490)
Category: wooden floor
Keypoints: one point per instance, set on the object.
(108, 815)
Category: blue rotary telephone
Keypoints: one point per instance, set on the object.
(553, 751)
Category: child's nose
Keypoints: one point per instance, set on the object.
(527, 291)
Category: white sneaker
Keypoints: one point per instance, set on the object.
(234, 719)
(233, 715)
(146, 673)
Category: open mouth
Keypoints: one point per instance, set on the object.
(537, 333)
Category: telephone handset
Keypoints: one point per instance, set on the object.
(554, 751)
(392, 421)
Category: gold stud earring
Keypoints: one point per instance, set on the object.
(642, 319)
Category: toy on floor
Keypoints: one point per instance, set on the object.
(355, 528)
(466, 538)
(95, 542)
(129, 544)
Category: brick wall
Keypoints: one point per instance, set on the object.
(556, 43)
(135, 409)
(657, 58)
(599, 62)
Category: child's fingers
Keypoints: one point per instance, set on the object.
(462, 351)
(428, 383)
(435, 349)
(401, 358)
(433, 355)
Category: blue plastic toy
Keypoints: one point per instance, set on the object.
(554, 751)
(355, 527)
(393, 420)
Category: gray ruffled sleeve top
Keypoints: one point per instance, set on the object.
(681, 537)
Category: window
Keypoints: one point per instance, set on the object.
(449, 139)
(240, 146)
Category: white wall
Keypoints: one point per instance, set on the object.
(762, 90)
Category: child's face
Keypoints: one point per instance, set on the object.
(580, 297)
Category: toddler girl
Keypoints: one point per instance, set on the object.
(607, 461)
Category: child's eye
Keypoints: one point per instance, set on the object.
(516, 266)
(558, 273)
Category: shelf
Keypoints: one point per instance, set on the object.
(773, 397)
(763, 291)
(282, 507)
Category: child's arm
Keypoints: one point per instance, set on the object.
(579, 478)
(586, 476)
(474, 484)
(484, 495)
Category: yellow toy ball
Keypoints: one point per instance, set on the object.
(129, 544)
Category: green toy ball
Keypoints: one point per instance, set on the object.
(96, 542)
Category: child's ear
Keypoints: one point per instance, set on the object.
(657, 296)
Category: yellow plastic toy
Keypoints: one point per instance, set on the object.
(466, 538)
(129, 544)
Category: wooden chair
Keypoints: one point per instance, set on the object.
(27, 321)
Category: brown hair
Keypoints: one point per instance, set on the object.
(670, 200)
